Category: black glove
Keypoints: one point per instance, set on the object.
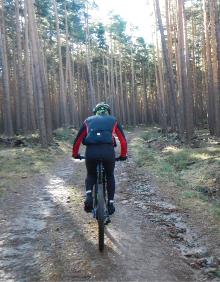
(121, 158)
(78, 157)
(114, 142)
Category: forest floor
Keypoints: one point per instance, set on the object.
(166, 226)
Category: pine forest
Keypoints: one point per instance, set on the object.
(57, 62)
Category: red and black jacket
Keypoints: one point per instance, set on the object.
(97, 130)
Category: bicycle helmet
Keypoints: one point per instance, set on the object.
(102, 108)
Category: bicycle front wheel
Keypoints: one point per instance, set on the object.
(101, 216)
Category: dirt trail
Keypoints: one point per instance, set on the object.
(46, 236)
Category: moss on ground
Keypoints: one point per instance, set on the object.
(65, 134)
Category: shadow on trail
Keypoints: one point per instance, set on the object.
(77, 234)
(46, 238)
(112, 239)
(55, 240)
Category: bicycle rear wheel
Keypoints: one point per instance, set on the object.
(101, 216)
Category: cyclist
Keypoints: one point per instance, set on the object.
(97, 133)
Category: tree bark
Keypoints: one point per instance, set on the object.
(210, 98)
(21, 87)
(89, 67)
(37, 72)
(170, 76)
(133, 92)
(63, 98)
(28, 74)
(215, 63)
(7, 115)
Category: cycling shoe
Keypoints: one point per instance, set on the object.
(111, 208)
(88, 204)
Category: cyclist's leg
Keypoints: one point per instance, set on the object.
(90, 182)
(109, 166)
(91, 174)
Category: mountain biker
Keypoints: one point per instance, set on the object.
(97, 133)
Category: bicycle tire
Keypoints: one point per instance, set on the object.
(101, 217)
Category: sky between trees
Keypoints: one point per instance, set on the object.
(138, 13)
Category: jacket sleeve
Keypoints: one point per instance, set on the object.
(79, 138)
(119, 132)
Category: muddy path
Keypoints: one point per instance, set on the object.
(46, 236)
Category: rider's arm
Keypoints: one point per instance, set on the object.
(119, 132)
(79, 138)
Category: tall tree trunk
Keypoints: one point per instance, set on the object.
(145, 102)
(69, 85)
(16, 96)
(112, 93)
(37, 72)
(211, 113)
(160, 92)
(63, 98)
(44, 80)
(21, 87)
(169, 25)
(217, 30)
(7, 115)
(28, 74)
(89, 67)
(98, 84)
(170, 76)
(122, 101)
(117, 105)
(215, 63)
(104, 77)
(133, 91)
(188, 77)
(127, 99)
(186, 101)
(71, 74)
(109, 80)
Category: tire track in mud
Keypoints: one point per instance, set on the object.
(46, 236)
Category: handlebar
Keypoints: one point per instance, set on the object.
(84, 158)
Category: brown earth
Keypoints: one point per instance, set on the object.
(46, 236)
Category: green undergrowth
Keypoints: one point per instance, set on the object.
(29, 159)
(65, 134)
(193, 169)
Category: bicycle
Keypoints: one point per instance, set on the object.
(100, 211)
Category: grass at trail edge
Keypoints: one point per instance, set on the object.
(194, 170)
(22, 162)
